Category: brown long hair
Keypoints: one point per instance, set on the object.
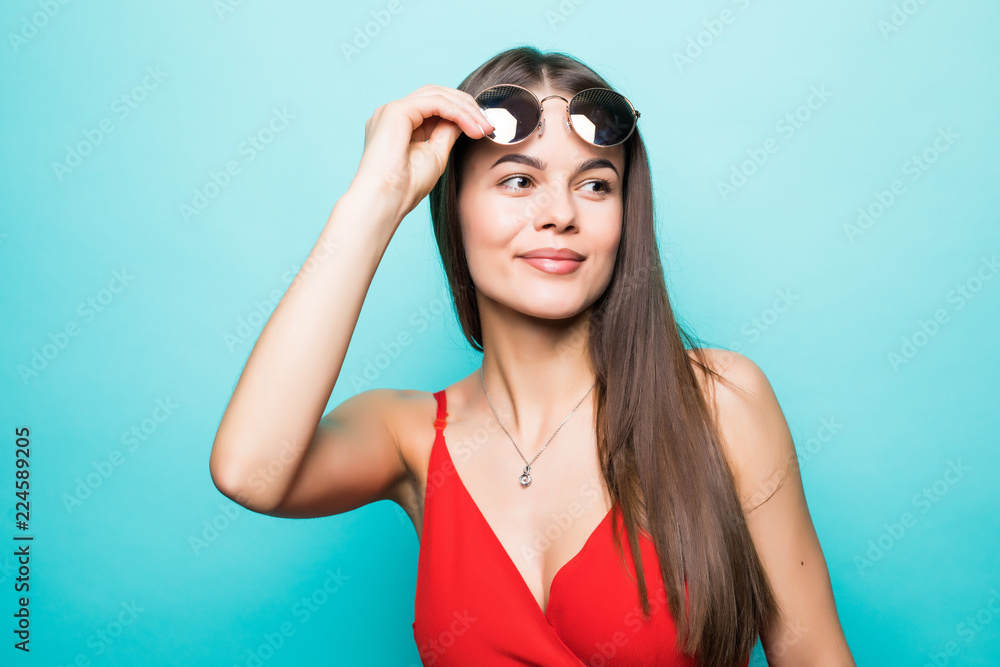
(657, 440)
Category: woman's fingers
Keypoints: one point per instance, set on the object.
(462, 111)
(463, 99)
(407, 141)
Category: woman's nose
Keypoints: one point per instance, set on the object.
(554, 207)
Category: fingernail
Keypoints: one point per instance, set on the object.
(487, 118)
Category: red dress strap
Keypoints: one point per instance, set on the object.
(440, 421)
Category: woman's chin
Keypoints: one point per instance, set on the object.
(547, 305)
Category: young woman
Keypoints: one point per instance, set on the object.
(595, 492)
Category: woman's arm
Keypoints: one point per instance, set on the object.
(758, 442)
(273, 421)
(273, 453)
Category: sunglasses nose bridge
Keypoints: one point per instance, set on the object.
(549, 97)
(541, 119)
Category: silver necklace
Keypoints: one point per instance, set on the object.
(525, 478)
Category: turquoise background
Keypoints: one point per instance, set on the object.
(771, 268)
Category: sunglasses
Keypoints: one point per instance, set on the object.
(600, 116)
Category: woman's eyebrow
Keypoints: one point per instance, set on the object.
(532, 161)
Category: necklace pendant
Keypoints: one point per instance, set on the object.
(525, 478)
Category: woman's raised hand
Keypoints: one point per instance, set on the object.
(407, 142)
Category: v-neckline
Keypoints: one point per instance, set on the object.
(523, 585)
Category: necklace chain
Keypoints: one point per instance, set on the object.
(525, 478)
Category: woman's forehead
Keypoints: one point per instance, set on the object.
(484, 154)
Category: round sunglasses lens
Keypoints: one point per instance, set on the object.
(602, 116)
(512, 110)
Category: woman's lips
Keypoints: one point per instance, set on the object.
(554, 265)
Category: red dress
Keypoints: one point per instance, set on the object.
(473, 607)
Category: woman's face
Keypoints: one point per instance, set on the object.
(551, 192)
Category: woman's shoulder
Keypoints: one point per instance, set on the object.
(752, 427)
(415, 408)
(739, 375)
(411, 416)
(413, 412)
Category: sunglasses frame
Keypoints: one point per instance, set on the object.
(539, 121)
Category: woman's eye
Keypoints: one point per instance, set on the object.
(515, 178)
(604, 186)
